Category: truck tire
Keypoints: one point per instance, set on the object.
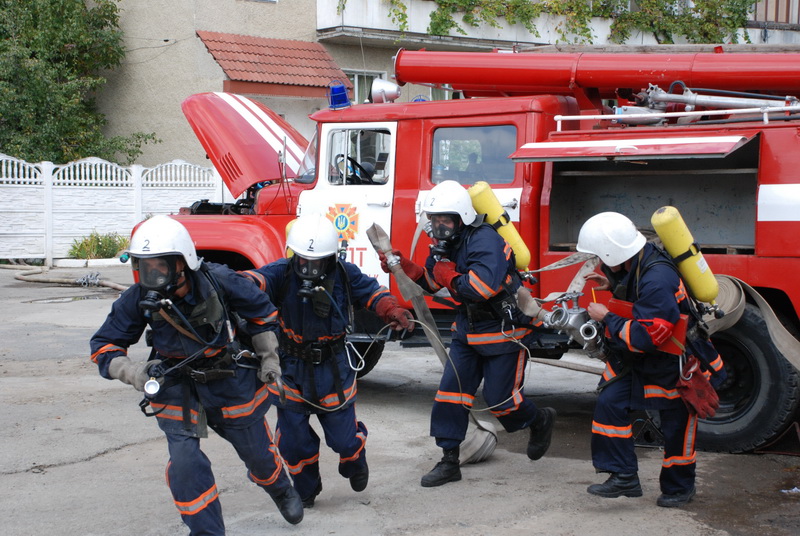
(370, 357)
(759, 398)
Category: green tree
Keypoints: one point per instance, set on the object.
(52, 54)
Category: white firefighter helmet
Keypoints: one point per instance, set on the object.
(314, 241)
(313, 237)
(611, 236)
(160, 236)
(450, 197)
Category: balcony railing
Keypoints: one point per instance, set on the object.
(776, 13)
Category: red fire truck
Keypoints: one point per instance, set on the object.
(559, 137)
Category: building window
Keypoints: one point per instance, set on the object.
(362, 83)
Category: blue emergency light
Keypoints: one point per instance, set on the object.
(337, 95)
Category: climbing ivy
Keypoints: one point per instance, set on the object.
(701, 21)
(706, 21)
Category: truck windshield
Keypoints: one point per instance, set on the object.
(358, 156)
(471, 154)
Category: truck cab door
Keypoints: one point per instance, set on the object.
(355, 186)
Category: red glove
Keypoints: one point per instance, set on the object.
(412, 269)
(390, 312)
(696, 391)
(444, 272)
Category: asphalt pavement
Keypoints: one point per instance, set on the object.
(80, 459)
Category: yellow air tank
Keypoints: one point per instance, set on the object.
(680, 244)
(485, 202)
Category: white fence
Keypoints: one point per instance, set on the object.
(45, 207)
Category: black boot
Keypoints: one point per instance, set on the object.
(288, 502)
(308, 502)
(618, 485)
(359, 480)
(541, 433)
(445, 471)
(675, 499)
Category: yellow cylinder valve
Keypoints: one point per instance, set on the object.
(680, 244)
(485, 202)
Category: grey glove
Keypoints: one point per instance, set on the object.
(266, 347)
(133, 373)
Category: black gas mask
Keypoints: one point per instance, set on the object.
(159, 276)
(444, 229)
(311, 272)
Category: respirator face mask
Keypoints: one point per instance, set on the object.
(310, 271)
(158, 275)
(443, 229)
(444, 226)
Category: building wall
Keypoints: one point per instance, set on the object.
(166, 62)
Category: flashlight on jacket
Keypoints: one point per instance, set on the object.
(152, 386)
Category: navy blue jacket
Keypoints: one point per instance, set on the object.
(125, 324)
(488, 269)
(658, 294)
(302, 325)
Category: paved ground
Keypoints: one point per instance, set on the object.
(78, 458)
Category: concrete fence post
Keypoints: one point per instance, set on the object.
(137, 172)
(48, 169)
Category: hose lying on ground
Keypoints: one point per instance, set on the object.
(30, 275)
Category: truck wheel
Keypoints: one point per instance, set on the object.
(370, 357)
(759, 398)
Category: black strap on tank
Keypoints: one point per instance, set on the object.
(687, 254)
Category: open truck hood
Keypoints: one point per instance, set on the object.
(243, 138)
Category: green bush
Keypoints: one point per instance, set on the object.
(97, 246)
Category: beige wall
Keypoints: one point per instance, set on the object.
(146, 92)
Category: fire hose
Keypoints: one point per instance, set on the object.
(30, 275)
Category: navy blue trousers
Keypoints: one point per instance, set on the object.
(503, 379)
(299, 445)
(612, 438)
(191, 479)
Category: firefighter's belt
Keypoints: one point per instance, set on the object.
(206, 370)
(312, 352)
(478, 312)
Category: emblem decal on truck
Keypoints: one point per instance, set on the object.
(345, 220)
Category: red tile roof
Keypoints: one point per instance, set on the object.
(264, 60)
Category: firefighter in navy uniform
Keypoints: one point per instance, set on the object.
(639, 374)
(186, 303)
(315, 291)
(476, 265)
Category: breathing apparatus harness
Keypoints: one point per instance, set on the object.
(155, 302)
(698, 331)
(319, 292)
